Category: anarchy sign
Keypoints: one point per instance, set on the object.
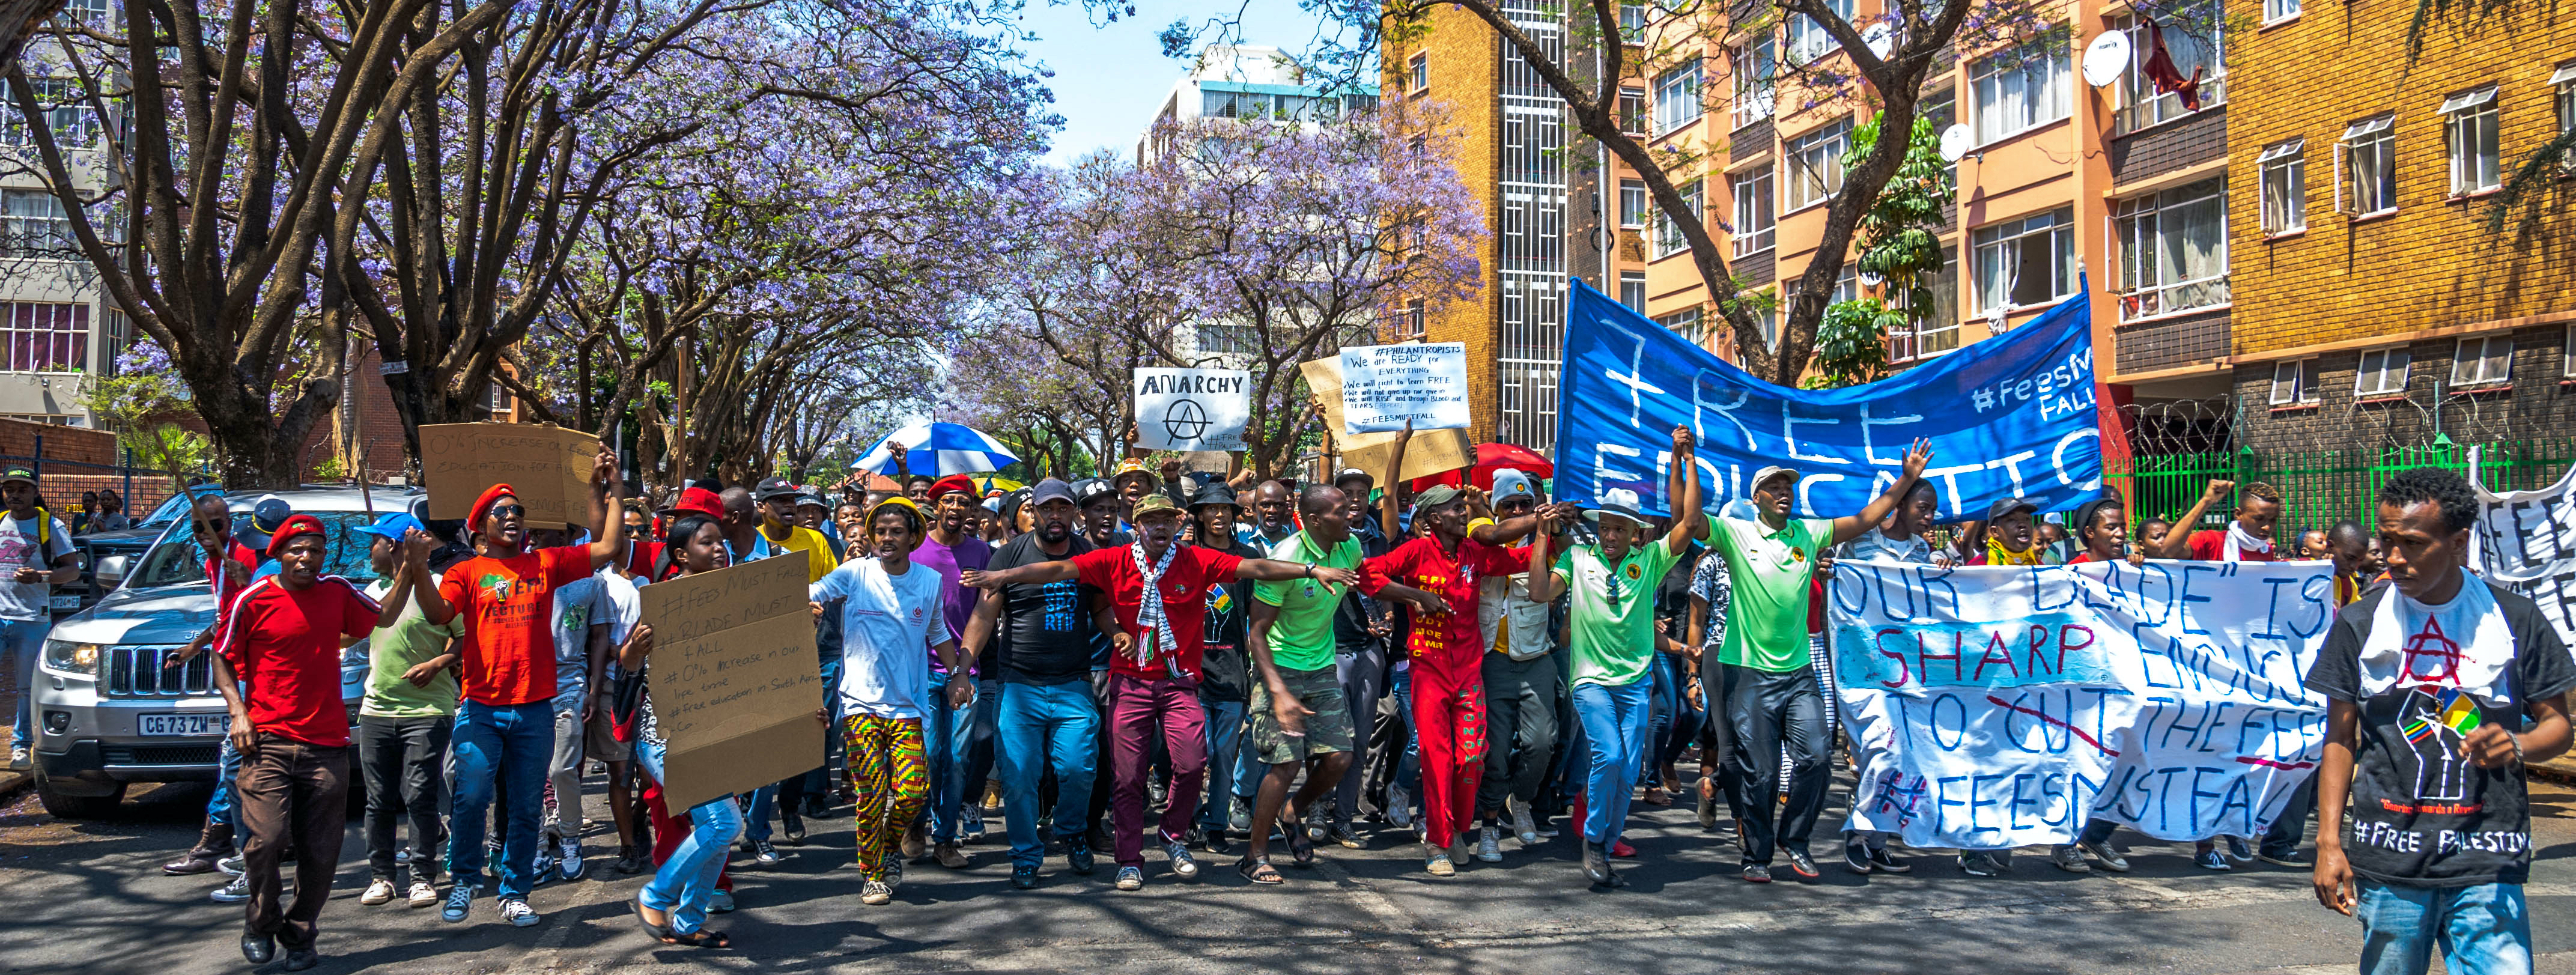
(1192, 409)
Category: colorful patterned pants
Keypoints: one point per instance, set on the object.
(891, 780)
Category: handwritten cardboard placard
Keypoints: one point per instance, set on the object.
(1431, 452)
(1385, 385)
(2526, 541)
(549, 468)
(1192, 409)
(733, 679)
(1997, 706)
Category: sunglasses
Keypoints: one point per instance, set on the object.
(509, 511)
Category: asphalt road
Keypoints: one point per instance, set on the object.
(85, 897)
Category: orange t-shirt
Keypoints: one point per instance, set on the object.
(509, 649)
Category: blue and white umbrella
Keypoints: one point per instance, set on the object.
(937, 448)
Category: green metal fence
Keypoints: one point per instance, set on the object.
(2329, 486)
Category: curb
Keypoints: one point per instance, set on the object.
(13, 782)
(2561, 770)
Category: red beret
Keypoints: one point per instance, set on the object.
(294, 526)
(950, 484)
(483, 505)
(701, 501)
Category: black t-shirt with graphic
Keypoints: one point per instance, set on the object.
(1045, 632)
(1224, 670)
(2423, 815)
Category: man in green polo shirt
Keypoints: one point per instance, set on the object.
(1766, 676)
(1298, 714)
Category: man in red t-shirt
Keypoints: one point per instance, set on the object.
(2248, 538)
(505, 726)
(1158, 589)
(228, 567)
(1447, 647)
(281, 637)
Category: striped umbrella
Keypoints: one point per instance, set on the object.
(937, 448)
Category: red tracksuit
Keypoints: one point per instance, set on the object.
(1448, 655)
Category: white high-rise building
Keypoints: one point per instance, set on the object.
(56, 326)
(1250, 82)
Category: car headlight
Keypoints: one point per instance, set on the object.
(72, 658)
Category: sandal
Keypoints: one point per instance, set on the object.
(1301, 846)
(698, 939)
(660, 932)
(1259, 871)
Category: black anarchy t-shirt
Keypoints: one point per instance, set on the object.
(1045, 632)
(2422, 814)
(1225, 672)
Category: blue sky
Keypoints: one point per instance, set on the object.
(1109, 80)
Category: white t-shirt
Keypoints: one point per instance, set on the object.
(887, 624)
(576, 607)
(25, 601)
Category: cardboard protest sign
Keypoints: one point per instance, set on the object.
(1431, 452)
(2006, 706)
(1385, 385)
(2526, 541)
(549, 467)
(733, 680)
(1192, 409)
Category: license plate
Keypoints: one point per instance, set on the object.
(185, 724)
(71, 602)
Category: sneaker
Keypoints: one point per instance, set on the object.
(1887, 864)
(232, 893)
(1620, 850)
(1240, 817)
(1214, 842)
(629, 860)
(1182, 865)
(2104, 858)
(1399, 808)
(2290, 859)
(423, 894)
(1547, 830)
(915, 842)
(1489, 844)
(1131, 878)
(1522, 829)
(2211, 859)
(300, 959)
(231, 865)
(1023, 878)
(460, 902)
(1981, 863)
(1341, 834)
(973, 830)
(568, 863)
(1856, 856)
(1803, 865)
(951, 857)
(721, 902)
(402, 856)
(1078, 856)
(1757, 873)
(876, 892)
(1707, 811)
(764, 854)
(19, 757)
(2238, 850)
(1439, 865)
(518, 913)
(791, 826)
(379, 891)
(2066, 857)
(1596, 865)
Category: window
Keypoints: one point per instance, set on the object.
(1632, 23)
(33, 224)
(1632, 111)
(2469, 126)
(2195, 35)
(1939, 333)
(2382, 373)
(2283, 191)
(2483, 362)
(1677, 98)
(2369, 155)
(2563, 85)
(1360, 104)
(2173, 249)
(1421, 66)
(1668, 235)
(1223, 104)
(2020, 90)
(1413, 325)
(1754, 219)
(1942, 107)
(2275, 11)
(1632, 203)
(2567, 353)
(1632, 290)
(66, 116)
(44, 336)
(90, 12)
(2025, 262)
(1808, 39)
(1752, 68)
(1816, 165)
(2295, 383)
(1218, 338)
(1684, 323)
(1846, 285)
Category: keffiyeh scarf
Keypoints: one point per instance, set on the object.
(1149, 610)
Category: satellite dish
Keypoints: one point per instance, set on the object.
(1880, 38)
(1954, 141)
(2105, 58)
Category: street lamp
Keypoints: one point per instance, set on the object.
(18, 21)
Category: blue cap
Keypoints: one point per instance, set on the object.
(391, 527)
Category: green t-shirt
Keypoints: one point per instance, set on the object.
(1611, 618)
(391, 650)
(1302, 637)
(1766, 616)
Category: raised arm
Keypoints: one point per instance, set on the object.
(1502, 534)
(979, 627)
(433, 603)
(1274, 570)
(2177, 541)
(1849, 527)
(1034, 573)
(1683, 488)
(1543, 584)
(1387, 506)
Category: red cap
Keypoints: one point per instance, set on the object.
(701, 501)
(952, 483)
(483, 505)
(303, 525)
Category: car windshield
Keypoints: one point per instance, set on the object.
(179, 560)
(171, 509)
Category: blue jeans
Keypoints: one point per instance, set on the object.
(1614, 726)
(1224, 760)
(685, 883)
(2482, 930)
(225, 807)
(819, 781)
(939, 753)
(1664, 711)
(511, 745)
(22, 642)
(1043, 725)
(970, 734)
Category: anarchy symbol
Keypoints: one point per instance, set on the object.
(1185, 419)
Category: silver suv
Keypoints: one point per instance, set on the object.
(108, 713)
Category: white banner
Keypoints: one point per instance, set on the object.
(1192, 409)
(2526, 540)
(1997, 707)
(1385, 385)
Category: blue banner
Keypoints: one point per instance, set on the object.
(2010, 416)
